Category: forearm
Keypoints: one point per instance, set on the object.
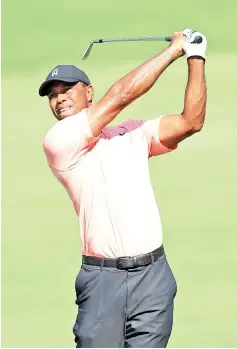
(130, 87)
(195, 95)
(140, 80)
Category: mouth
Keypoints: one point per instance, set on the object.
(63, 110)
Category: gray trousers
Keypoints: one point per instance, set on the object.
(125, 308)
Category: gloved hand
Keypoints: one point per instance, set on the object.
(192, 49)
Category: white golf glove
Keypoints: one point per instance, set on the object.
(192, 49)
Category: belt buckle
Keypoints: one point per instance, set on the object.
(119, 263)
(132, 263)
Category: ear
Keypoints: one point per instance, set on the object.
(90, 93)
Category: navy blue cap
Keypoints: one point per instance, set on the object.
(65, 73)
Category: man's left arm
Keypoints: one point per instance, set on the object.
(175, 128)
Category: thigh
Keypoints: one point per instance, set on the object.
(101, 304)
(151, 303)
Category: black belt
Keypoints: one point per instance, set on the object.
(125, 262)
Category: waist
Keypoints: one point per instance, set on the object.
(126, 262)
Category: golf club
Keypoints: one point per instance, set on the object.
(197, 40)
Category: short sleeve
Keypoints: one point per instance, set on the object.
(151, 130)
(68, 140)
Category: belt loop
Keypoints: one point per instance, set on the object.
(152, 258)
(102, 264)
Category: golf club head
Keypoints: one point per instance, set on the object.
(88, 50)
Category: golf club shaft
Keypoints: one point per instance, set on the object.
(100, 41)
(145, 38)
(197, 39)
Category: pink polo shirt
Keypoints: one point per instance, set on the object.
(108, 181)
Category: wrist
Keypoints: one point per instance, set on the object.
(196, 60)
(173, 51)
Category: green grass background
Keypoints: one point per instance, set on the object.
(195, 186)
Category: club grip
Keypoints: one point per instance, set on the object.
(197, 39)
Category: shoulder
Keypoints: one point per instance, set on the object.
(67, 140)
(132, 124)
(67, 122)
(68, 130)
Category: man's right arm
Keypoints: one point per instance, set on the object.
(132, 86)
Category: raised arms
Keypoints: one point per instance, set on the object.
(133, 85)
(173, 128)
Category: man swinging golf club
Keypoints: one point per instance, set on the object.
(125, 288)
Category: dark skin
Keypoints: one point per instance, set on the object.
(172, 129)
(67, 99)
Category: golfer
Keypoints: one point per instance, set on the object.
(125, 288)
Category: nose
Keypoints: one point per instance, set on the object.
(61, 98)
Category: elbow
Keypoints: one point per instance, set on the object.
(197, 127)
(194, 124)
(193, 128)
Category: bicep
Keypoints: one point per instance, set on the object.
(173, 129)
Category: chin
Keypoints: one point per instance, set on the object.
(69, 113)
(64, 115)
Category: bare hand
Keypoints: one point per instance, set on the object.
(177, 43)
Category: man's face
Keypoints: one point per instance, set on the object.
(67, 99)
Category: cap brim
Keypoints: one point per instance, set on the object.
(43, 90)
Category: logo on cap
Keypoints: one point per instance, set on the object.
(55, 72)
